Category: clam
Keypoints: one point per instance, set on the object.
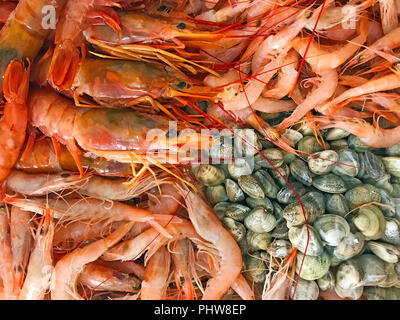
(389, 210)
(331, 228)
(294, 214)
(274, 156)
(329, 183)
(284, 171)
(267, 183)
(371, 222)
(286, 194)
(350, 246)
(239, 167)
(237, 211)
(372, 164)
(280, 248)
(382, 182)
(392, 165)
(258, 241)
(392, 231)
(351, 182)
(222, 151)
(393, 150)
(349, 275)
(312, 268)
(220, 209)
(377, 293)
(281, 230)
(233, 191)
(237, 230)
(354, 293)
(300, 172)
(322, 162)
(338, 145)
(293, 135)
(336, 134)
(210, 175)
(309, 145)
(265, 203)
(386, 251)
(337, 204)
(306, 237)
(246, 149)
(348, 163)
(305, 290)
(255, 268)
(362, 194)
(288, 157)
(277, 210)
(396, 190)
(372, 268)
(216, 194)
(260, 220)
(251, 186)
(327, 282)
(392, 278)
(316, 199)
(356, 143)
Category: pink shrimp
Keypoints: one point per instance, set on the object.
(99, 278)
(167, 203)
(68, 268)
(40, 267)
(209, 227)
(154, 286)
(21, 244)
(15, 118)
(130, 267)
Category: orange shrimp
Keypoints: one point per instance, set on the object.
(126, 267)
(15, 118)
(23, 34)
(167, 203)
(6, 265)
(154, 286)
(90, 209)
(209, 227)
(6, 7)
(389, 17)
(40, 267)
(69, 267)
(99, 278)
(21, 244)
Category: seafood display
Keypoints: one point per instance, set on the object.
(199, 150)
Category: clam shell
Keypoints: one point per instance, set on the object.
(239, 167)
(393, 150)
(251, 186)
(237, 211)
(348, 163)
(267, 183)
(258, 241)
(386, 251)
(370, 221)
(305, 290)
(353, 294)
(286, 194)
(294, 214)
(392, 165)
(350, 246)
(265, 203)
(373, 165)
(293, 135)
(255, 268)
(300, 172)
(322, 162)
(313, 268)
(237, 230)
(329, 183)
(280, 248)
(362, 194)
(373, 269)
(392, 231)
(338, 145)
(326, 282)
(349, 275)
(274, 155)
(336, 134)
(331, 228)
(309, 145)
(284, 170)
(216, 194)
(210, 175)
(233, 191)
(337, 204)
(355, 143)
(260, 220)
(306, 237)
(220, 209)
(376, 293)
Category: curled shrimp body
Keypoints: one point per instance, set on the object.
(40, 267)
(211, 229)
(21, 244)
(23, 34)
(68, 268)
(14, 122)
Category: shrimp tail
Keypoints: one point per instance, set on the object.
(16, 82)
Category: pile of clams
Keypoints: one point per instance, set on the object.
(350, 199)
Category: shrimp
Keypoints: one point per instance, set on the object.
(23, 34)
(21, 244)
(68, 268)
(91, 209)
(6, 262)
(167, 203)
(15, 118)
(383, 83)
(70, 49)
(6, 8)
(126, 267)
(210, 228)
(154, 286)
(242, 288)
(40, 266)
(99, 278)
(42, 158)
(388, 12)
(286, 78)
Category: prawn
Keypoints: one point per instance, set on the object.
(6, 262)
(389, 17)
(154, 286)
(167, 203)
(21, 244)
(91, 209)
(99, 278)
(68, 268)
(23, 35)
(6, 8)
(15, 118)
(210, 228)
(40, 266)
(129, 268)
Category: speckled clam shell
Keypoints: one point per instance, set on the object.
(322, 162)
(306, 237)
(260, 220)
(348, 163)
(313, 268)
(210, 175)
(305, 290)
(251, 186)
(329, 183)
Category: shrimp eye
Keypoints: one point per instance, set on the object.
(309, 15)
(181, 26)
(181, 85)
(161, 8)
(396, 65)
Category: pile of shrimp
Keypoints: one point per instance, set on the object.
(90, 207)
